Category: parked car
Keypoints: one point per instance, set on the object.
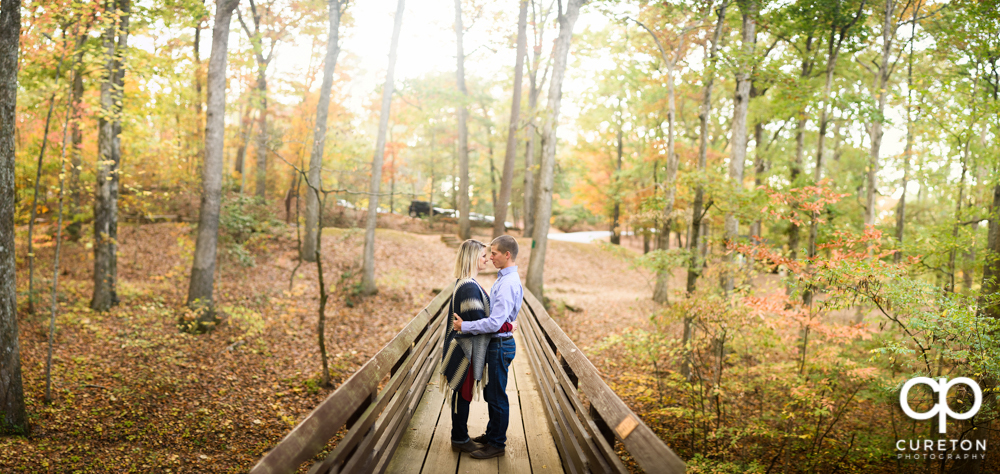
(345, 203)
(419, 208)
(445, 212)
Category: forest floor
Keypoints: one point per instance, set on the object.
(132, 393)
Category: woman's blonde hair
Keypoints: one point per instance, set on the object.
(467, 265)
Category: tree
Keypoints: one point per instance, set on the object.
(38, 178)
(109, 146)
(698, 207)
(55, 263)
(257, 41)
(616, 235)
(13, 417)
(543, 207)
(840, 27)
(908, 152)
(464, 232)
(368, 265)
(76, 156)
(535, 88)
(203, 267)
(500, 211)
(880, 79)
(741, 103)
(660, 293)
(319, 130)
(803, 21)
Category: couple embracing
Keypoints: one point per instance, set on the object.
(479, 343)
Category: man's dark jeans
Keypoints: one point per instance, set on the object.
(498, 358)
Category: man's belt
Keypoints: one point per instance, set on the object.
(501, 338)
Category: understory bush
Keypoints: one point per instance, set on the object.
(245, 223)
(806, 376)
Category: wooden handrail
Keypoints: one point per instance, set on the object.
(585, 437)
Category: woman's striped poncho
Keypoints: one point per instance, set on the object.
(462, 350)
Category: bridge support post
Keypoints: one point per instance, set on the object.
(602, 426)
(569, 372)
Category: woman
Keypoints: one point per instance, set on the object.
(465, 354)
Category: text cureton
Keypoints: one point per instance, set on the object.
(939, 445)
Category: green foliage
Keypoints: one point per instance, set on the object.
(250, 322)
(566, 219)
(243, 222)
(773, 378)
(699, 464)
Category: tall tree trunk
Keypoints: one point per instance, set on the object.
(529, 167)
(760, 166)
(616, 234)
(261, 168)
(38, 179)
(958, 218)
(198, 103)
(531, 170)
(76, 155)
(323, 296)
(908, 151)
(368, 268)
(833, 51)
(261, 100)
(543, 212)
(831, 63)
(800, 146)
(55, 264)
(879, 83)
(430, 197)
(119, 90)
(464, 232)
(697, 204)
(493, 167)
(660, 293)
(741, 100)
(500, 213)
(319, 131)
(13, 417)
(246, 128)
(109, 148)
(203, 267)
(990, 307)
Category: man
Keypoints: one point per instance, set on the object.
(506, 297)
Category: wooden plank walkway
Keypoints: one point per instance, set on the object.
(426, 445)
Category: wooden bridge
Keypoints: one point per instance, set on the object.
(391, 414)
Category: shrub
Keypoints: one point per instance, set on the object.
(244, 219)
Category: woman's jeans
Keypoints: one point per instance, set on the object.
(459, 418)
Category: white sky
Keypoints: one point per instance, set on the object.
(427, 44)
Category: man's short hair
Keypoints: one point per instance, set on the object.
(506, 243)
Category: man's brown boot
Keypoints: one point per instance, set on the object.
(467, 447)
(488, 452)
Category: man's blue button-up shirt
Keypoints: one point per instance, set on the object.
(506, 297)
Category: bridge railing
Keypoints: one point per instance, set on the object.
(375, 417)
(585, 434)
